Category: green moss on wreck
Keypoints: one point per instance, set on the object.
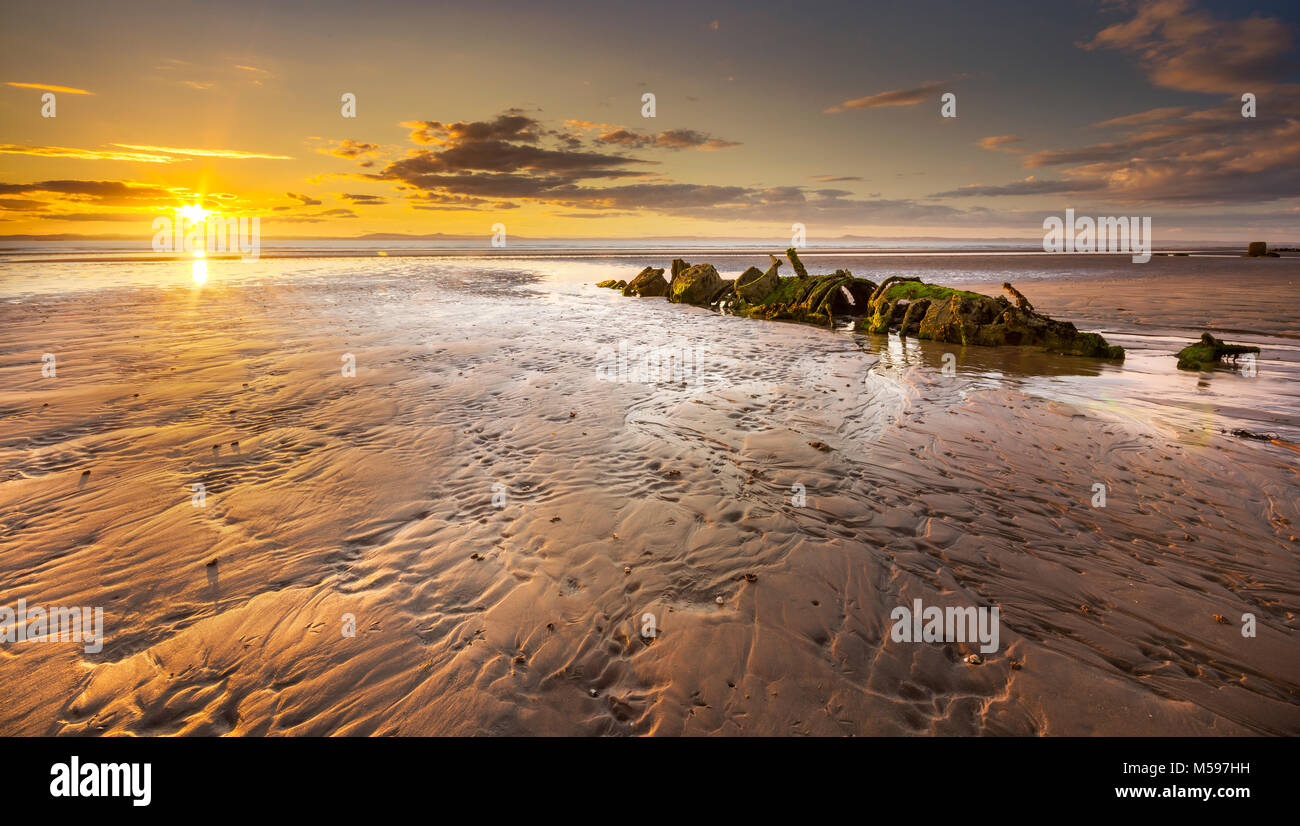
(796, 263)
(914, 290)
(929, 311)
(904, 304)
(699, 285)
(789, 290)
(1209, 351)
(612, 284)
(649, 283)
(754, 284)
(813, 300)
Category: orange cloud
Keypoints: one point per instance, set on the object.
(1001, 143)
(589, 126)
(83, 154)
(350, 149)
(206, 153)
(1189, 50)
(897, 97)
(49, 87)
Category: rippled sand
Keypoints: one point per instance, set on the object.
(373, 496)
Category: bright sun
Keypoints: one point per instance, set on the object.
(194, 212)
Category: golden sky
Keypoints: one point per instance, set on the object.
(468, 115)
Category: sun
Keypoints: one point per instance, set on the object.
(194, 212)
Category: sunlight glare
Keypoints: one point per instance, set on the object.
(194, 212)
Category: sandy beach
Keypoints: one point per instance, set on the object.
(497, 517)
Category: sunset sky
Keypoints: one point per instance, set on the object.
(530, 114)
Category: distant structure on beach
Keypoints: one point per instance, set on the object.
(1259, 249)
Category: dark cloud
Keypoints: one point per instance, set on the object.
(99, 216)
(1185, 155)
(22, 204)
(779, 204)
(441, 201)
(495, 165)
(73, 195)
(106, 191)
(625, 137)
(1108, 151)
(306, 200)
(671, 139)
(316, 217)
(594, 214)
(1194, 157)
(1026, 187)
(473, 165)
(503, 156)
(511, 126)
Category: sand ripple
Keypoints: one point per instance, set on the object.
(373, 496)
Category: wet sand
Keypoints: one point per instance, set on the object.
(373, 496)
